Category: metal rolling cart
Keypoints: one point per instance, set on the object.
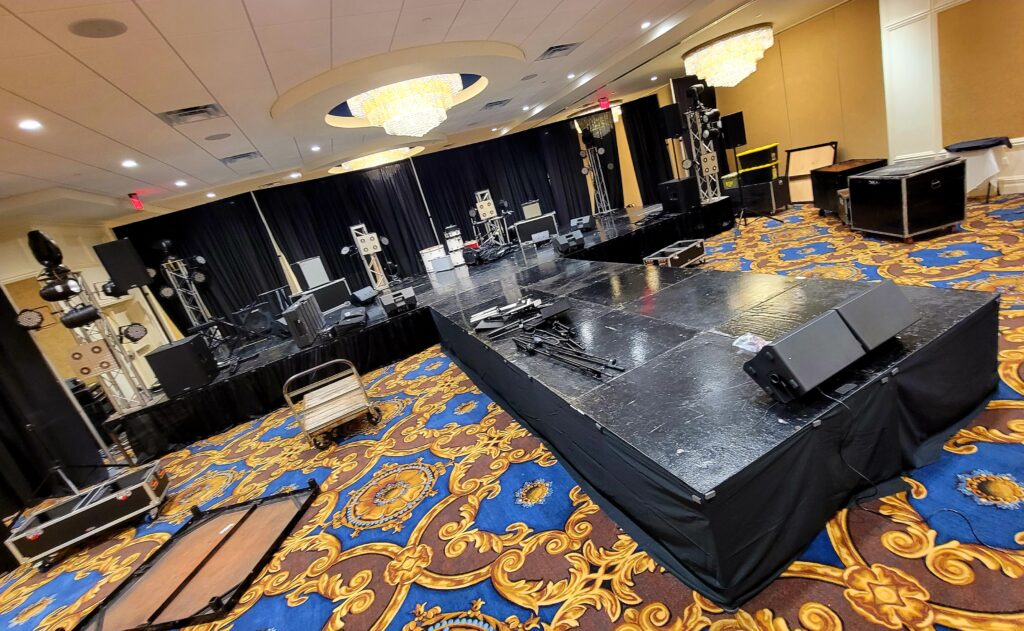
(330, 402)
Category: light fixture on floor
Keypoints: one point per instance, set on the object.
(725, 61)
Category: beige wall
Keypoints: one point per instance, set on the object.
(821, 81)
(981, 52)
(17, 275)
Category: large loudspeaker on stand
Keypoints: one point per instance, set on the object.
(672, 122)
(123, 264)
(183, 365)
(733, 130)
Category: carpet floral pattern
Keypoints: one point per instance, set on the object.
(449, 516)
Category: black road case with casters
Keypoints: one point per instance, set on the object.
(826, 182)
(909, 198)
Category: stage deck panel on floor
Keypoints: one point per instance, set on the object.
(721, 483)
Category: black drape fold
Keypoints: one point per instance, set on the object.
(540, 164)
(603, 128)
(314, 218)
(646, 145)
(241, 262)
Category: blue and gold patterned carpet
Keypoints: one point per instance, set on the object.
(450, 516)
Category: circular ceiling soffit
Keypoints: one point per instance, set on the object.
(98, 28)
(312, 100)
(379, 158)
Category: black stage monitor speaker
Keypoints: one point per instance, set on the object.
(878, 314)
(566, 244)
(352, 318)
(805, 357)
(395, 302)
(183, 365)
(123, 264)
(364, 296)
(679, 195)
(584, 223)
(734, 131)
(672, 122)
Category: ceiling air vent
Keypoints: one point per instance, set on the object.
(493, 105)
(242, 157)
(558, 50)
(192, 114)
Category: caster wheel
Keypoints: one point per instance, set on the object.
(375, 415)
(821, 212)
(321, 442)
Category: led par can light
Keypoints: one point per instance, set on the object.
(134, 332)
(30, 319)
(199, 277)
(166, 292)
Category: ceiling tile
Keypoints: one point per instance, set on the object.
(233, 145)
(54, 25)
(25, 6)
(363, 7)
(13, 184)
(477, 19)
(193, 17)
(524, 17)
(17, 39)
(266, 12)
(420, 25)
(296, 51)
(358, 36)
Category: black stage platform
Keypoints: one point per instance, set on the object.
(723, 486)
(717, 481)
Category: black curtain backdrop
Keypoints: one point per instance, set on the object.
(241, 262)
(30, 394)
(603, 128)
(650, 155)
(313, 219)
(538, 164)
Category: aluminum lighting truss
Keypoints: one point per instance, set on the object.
(124, 385)
(369, 246)
(706, 160)
(178, 276)
(592, 167)
(494, 224)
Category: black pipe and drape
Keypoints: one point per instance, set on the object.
(313, 219)
(647, 146)
(602, 127)
(31, 395)
(540, 164)
(229, 234)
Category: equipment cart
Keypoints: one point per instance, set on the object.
(330, 402)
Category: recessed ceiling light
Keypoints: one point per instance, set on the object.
(30, 124)
(654, 77)
(129, 164)
(645, 25)
(211, 194)
(494, 129)
(526, 108)
(181, 183)
(571, 75)
(504, 130)
(295, 175)
(315, 148)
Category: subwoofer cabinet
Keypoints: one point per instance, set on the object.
(764, 199)
(909, 198)
(183, 365)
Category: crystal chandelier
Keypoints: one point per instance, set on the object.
(376, 159)
(725, 61)
(408, 108)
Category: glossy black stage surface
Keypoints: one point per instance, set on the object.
(716, 480)
(723, 486)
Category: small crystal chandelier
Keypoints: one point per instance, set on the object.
(725, 61)
(408, 108)
(376, 159)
